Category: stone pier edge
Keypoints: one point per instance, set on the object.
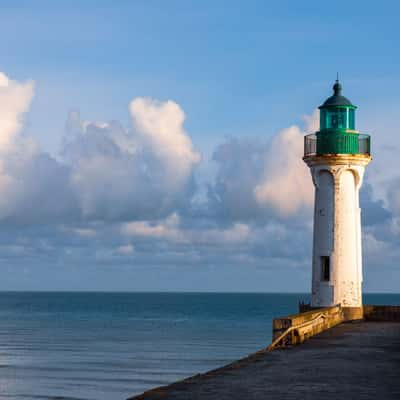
(290, 331)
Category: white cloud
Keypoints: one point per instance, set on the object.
(286, 185)
(170, 230)
(119, 174)
(15, 99)
(107, 172)
(312, 122)
(85, 232)
(33, 185)
(115, 185)
(144, 228)
(160, 126)
(144, 172)
(236, 234)
(167, 229)
(125, 249)
(372, 246)
(259, 180)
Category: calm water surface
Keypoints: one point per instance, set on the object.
(111, 346)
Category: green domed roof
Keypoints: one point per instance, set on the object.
(337, 99)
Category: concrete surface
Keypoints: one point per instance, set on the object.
(357, 360)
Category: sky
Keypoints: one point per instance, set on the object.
(156, 146)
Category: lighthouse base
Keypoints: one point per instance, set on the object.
(348, 313)
(353, 313)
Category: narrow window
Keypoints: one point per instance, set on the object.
(334, 121)
(325, 268)
(351, 119)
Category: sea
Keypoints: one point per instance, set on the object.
(113, 345)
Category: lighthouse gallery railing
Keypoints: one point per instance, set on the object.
(315, 146)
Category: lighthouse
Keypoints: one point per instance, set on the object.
(337, 156)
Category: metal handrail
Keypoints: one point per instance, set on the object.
(293, 328)
(311, 145)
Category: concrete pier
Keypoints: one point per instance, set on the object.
(353, 360)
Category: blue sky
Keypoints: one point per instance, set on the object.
(234, 68)
(241, 72)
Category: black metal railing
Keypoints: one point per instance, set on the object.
(310, 145)
(315, 146)
(364, 144)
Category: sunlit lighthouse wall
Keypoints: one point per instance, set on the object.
(337, 156)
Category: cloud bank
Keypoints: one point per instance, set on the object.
(128, 195)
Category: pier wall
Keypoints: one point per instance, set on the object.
(348, 364)
(296, 328)
(357, 360)
(382, 313)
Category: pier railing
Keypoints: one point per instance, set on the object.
(297, 328)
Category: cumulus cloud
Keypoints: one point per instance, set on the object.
(286, 185)
(84, 232)
(239, 168)
(311, 122)
(142, 172)
(167, 229)
(174, 232)
(107, 171)
(257, 179)
(34, 186)
(127, 193)
(15, 99)
(160, 126)
(125, 249)
(373, 246)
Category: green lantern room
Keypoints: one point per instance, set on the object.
(337, 134)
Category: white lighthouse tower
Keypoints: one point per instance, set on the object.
(337, 156)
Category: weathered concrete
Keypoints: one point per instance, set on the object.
(358, 360)
(297, 328)
(382, 313)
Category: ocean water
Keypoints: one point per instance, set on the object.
(113, 345)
